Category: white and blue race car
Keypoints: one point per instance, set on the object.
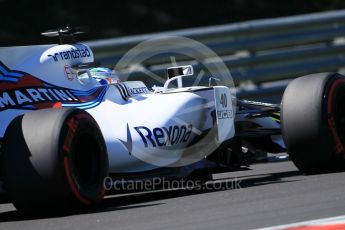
(65, 126)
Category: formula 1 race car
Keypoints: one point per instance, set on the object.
(63, 131)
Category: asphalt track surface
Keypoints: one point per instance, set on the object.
(270, 194)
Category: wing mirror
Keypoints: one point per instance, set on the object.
(180, 71)
(176, 73)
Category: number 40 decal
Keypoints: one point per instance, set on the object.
(224, 100)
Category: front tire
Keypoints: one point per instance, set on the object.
(54, 160)
(313, 122)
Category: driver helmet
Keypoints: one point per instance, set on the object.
(104, 75)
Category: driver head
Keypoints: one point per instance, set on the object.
(104, 75)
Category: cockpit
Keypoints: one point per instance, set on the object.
(103, 75)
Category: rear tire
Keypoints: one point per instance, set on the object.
(54, 160)
(313, 122)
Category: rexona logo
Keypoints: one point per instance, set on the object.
(164, 136)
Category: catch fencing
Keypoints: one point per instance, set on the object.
(263, 55)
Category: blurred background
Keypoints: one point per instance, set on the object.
(23, 20)
(262, 42)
